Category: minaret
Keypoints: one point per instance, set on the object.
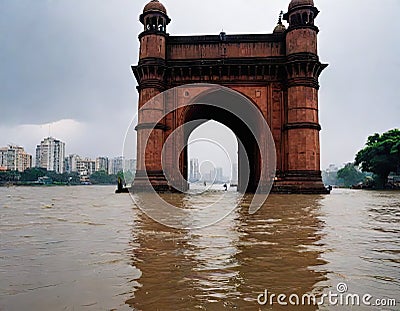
(150, 73)
(302, 124)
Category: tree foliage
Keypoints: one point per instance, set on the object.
(32, 174)
(9, 176)
(381, 155)
(349, 175)
(102, 178)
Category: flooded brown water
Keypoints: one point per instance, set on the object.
(85, 248)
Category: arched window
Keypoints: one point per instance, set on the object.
(305, 18)
(293, 20)
(147, 24)
(311, 18)
(155, 23)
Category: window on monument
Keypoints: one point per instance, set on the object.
(153, 23)
(305, 18)
(311, 18)
(212, 159)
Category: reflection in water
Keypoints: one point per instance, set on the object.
(363, 234)
(85, 248)
(63, 248)
(226, 266)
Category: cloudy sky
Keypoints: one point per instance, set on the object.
(65, 67)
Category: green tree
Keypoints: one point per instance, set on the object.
(72, 178)
(349, 175)
(381, 155)
(102, 178)
(32, 174)
(9, 176)
(64, 178)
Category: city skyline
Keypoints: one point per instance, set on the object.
(72, 162)
(50, 154)
(198, 172)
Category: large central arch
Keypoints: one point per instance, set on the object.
(215, 106)
(188, 107)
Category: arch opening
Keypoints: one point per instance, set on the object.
(225, 108)
(212, 157)
(164, 135)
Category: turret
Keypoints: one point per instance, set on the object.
(150, 75)
(303, 69)
(153, 37)
(302, 33)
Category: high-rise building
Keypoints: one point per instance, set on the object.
(102, 164)
(194, 172)
(86, 166)
(3, 158)
(115, 165)
(83, 166)
(70, 163)
(14, 158)
(50, 155)
(130, 165)
(119, 164)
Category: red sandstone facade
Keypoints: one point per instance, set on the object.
(278, 72)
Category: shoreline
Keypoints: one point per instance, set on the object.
(49, 185)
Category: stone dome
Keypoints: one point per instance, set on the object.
(295, 3)
(280, 28)
(154, 5)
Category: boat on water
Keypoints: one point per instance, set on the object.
(120, 187)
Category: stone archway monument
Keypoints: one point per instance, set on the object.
(264, 87)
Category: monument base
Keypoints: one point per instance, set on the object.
(151, 181)
(293, 182)
(300, 182)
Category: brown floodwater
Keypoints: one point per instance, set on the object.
(86, 248)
